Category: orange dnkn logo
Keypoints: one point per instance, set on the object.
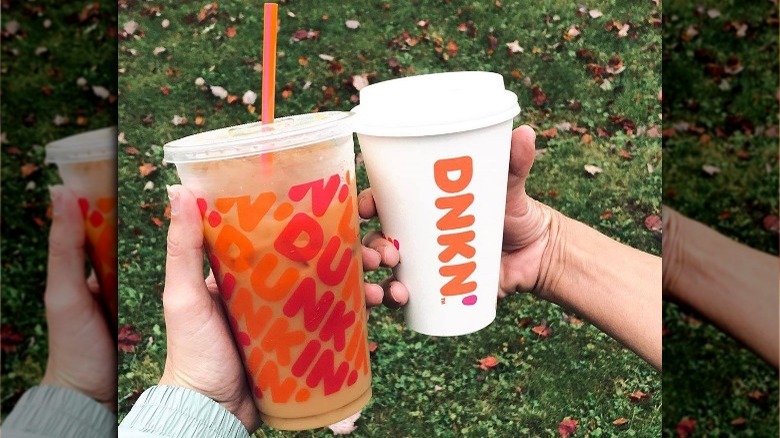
(453, 176)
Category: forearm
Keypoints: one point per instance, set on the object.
(615, 287)
(732, 285)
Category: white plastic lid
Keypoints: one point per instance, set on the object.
(97, 145)
(432, 104)
(256, 138)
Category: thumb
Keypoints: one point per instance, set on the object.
(185, 291)
(66, 285)
(521, 158)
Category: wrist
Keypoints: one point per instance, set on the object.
(672, 248)
(50, 378)
(555, 257)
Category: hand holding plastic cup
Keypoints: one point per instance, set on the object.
(87, 165)
(436, 149)
(279, 208)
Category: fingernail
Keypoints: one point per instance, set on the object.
(174, 198)
(55, 193)
(394, 295)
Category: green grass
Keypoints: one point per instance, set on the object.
(578, 372)
(75, 49)
(708, 376)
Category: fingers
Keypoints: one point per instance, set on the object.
(366, 204)
(521, 158)
(66, 285)
(371, 259)
(395, 293)
(184, 285)
(92, 283)
(389, 256)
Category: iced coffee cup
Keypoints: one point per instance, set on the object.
(436, 149)
(279, 208)
(87, 165)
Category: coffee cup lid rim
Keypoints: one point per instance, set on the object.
(95, 145)
(256, 138)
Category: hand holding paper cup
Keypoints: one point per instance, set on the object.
(436, 149)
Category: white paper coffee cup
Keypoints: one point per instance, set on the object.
(436, 149)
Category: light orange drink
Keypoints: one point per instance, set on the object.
(279, 208)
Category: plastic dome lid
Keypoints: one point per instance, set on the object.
(256, 138)
(432, 104)
(97, 145)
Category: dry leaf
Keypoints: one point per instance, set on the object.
(200, 120)
(542, 330)
(567, 427)
(738, 422)
(146, 169)
(593, 170)
(158, 50)
(127, 338)
(488, 363)
(586, 139)
(179, 120)
(325, 57)
(130, 27)
(230, 32)
(771, 223)
(549, 133)
(219, 91)
(595, 13)
(620, 422)
(653, 223)
(249, 98)
(360, 81)
(571, 33)
(28, 169)
(514, 47)
(157, 221)
(352, 24)
(686, 427)
(638, 396)
(710, 169)
(100, 92)
(132, 150)
(345, 426)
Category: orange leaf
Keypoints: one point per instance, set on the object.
(167, 212)
(638, 396)
(549, 133)
(620, 422)
(372, 346)
(157, 221)
(625, 154)
(28, 169)
(606, 215)
(488, 362)
(165, 91)
(146, 169)
(542, 329)
(567, 427)
(586, 139)
(232, 98)
(230, 31)
(200, 120)
(132, 150)
(452, 48)
(653, 223)
(738, 421)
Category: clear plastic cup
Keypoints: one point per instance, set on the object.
(279, 207)
(87, 165)
(436, 149)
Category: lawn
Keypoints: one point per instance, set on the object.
(54, 44)
(728, 121)
(591, 91)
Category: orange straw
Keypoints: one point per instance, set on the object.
(269, 62)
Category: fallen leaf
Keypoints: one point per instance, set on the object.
(345, 426)
(165, 23)
(623, 30)
(132, 150)
(372, 346)
(538, 96)
(158, 50)
(488, 362)
(452, 48)
(148, 186)
(586, 139)
(710, 169)
(756, 395)
(165, 91)
(571, 33)
(360, 81)
(638, 396)
(200, 120)
(686, 427)
(549, 133)
(567, 427)
(595, 13)
(249, 98)
(146, 169)
(219, 91)
(231, 98)
(128, 338)
(542, 330)
(653, 223)
(593, 170)
(653, 132)
(525, 322)
(713, 13)
(625, 154)
(771, 223)
(28, 169)
(230, 32)
(740, 421)
(157, 221)
(101, 92)
(167, 212)
(325, 57)
(10, 338)
(179, 120)
(620, 422)
(690, 33)
(130, 27)
(514, 47)
(352, 24)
